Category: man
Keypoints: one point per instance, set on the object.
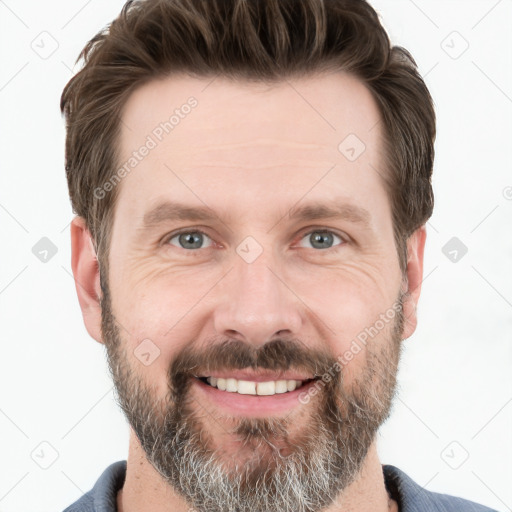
(251, 182)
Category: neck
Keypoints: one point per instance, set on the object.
(145, 490)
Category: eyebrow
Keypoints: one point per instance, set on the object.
(332, 210)
(169, 211)
(172, 211)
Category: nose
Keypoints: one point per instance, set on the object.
(257, 304)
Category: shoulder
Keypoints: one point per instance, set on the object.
(102, 497)
(411, 497)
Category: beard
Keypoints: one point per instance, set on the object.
(274, 470)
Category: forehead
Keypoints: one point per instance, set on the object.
(212, 136)
(318, 109)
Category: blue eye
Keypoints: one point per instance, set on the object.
(190, 239)
(321, 239)
(318, 239)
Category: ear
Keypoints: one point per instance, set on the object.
(415, 249)
(84, 264)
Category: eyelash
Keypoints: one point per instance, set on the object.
(343, 238)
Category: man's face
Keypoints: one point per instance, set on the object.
(257, 292)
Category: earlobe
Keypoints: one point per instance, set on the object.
(415, 252)
(84, 264)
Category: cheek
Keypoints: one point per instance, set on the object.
(348, 298)
(154, 296)
(357, 308)
(162, 310)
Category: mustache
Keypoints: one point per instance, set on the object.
(276, 355)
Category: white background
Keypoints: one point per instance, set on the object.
(455, 397)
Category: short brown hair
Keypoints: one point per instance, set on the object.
(261, 40)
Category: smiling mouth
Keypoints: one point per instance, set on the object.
(247, 387)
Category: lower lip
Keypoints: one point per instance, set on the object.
(253, 405)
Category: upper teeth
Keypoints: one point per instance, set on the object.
(246, 387)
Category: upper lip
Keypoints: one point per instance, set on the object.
(258, 376)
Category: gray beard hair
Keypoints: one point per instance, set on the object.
(327, 454)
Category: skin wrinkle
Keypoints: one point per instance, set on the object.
(292, 307)
(156, 268)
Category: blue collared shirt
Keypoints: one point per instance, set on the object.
(406, 492)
